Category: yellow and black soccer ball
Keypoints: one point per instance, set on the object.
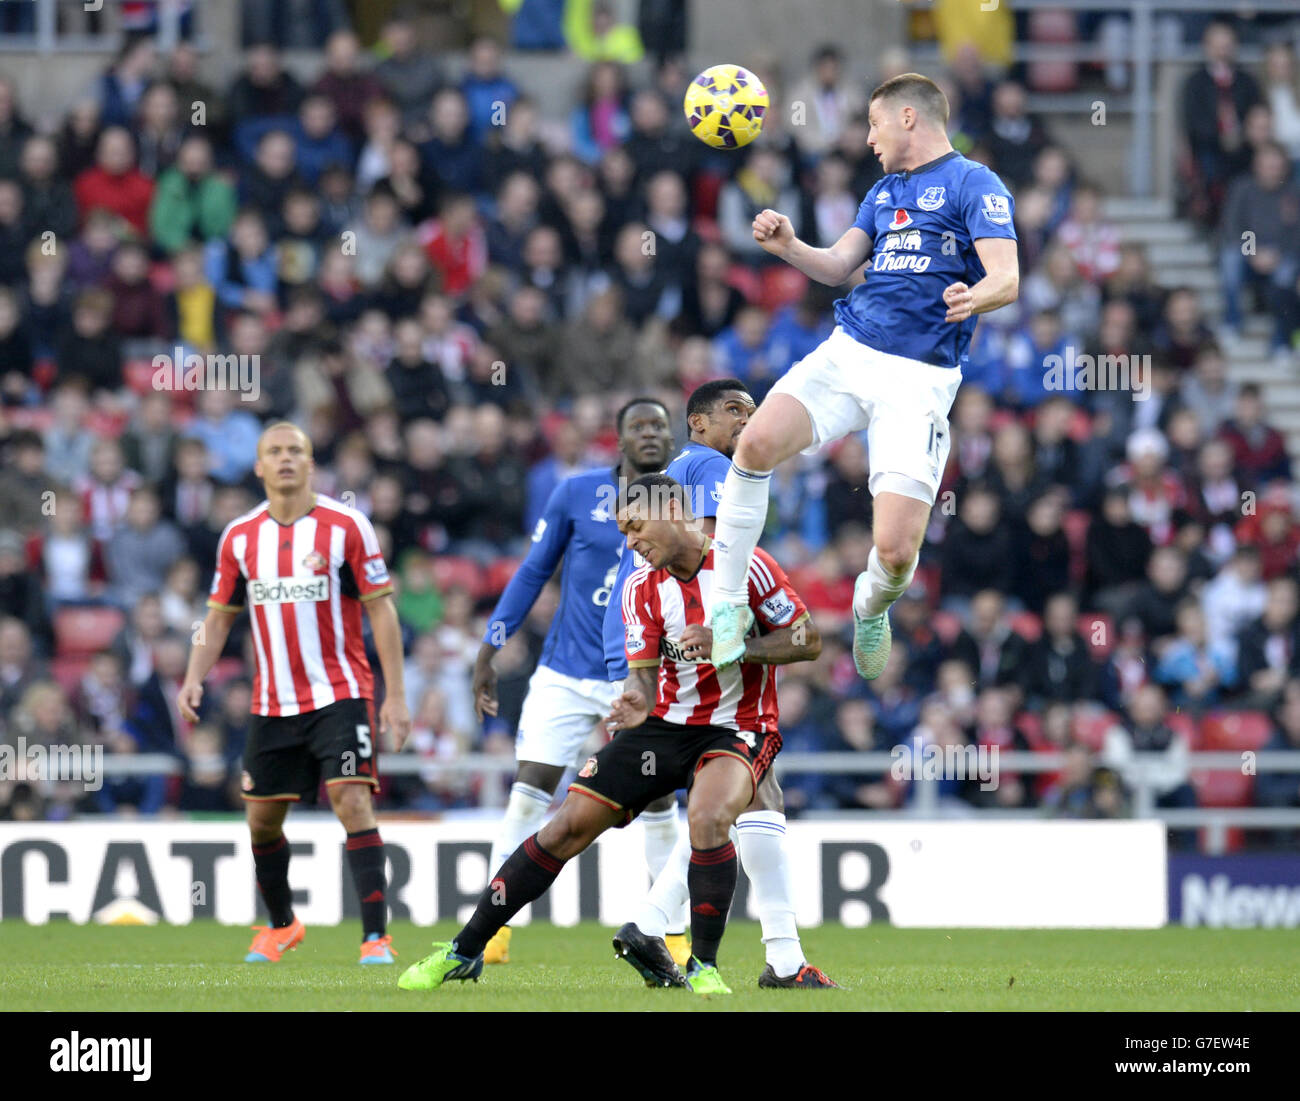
(725, 106)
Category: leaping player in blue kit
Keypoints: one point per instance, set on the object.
(570, 693)
(937, 230)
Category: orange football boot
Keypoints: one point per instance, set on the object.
(377, 949)
(270, 944)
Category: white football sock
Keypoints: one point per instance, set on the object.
(664, 909)
(763, 856)
(742, 512)
(525, 810)
(882, 587)
(661, 832)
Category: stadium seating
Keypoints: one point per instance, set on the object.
(1234, 840)
(84, 631)
(1053, 28)
(1027, 625)
(781, 285)
(1186, 727)
(499, 574)
(1223, 788)
(553, 400)
(450, 573)
(1236, 730)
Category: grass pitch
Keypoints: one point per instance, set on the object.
(198, 967)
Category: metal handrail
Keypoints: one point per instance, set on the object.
(46, 39)
(408, 764)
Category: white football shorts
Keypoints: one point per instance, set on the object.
(558, 715)
(902, 403)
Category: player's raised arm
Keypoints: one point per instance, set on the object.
(831, 266)
(999, 287)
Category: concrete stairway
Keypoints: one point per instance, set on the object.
(1179, 256)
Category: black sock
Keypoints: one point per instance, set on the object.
(711, 880)
(272, 864)
(526, 875)
(366, 859)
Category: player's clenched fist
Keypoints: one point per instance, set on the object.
(960, 302)
(629, 710)
(773, 231)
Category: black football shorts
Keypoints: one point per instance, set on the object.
(657, 758)
(287, 756)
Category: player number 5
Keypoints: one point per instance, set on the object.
(363, 739)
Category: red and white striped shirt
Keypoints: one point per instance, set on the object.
(658, 607)
(304, 583)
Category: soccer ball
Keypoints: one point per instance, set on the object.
(725, 106)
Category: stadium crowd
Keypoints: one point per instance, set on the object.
(451, 286)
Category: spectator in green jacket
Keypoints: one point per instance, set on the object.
(191, 202)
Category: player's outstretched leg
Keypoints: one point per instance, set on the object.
(760, 833)
(778, 429)
(530, 799)
(525, 876)
(899, 528)
(271, 863)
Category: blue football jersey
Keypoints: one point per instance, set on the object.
(579, 524)
(923, 225)
(702, 470)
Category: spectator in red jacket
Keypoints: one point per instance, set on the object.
(113, 183)
(1271, 529)
(455, 243)
(1259, 452)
